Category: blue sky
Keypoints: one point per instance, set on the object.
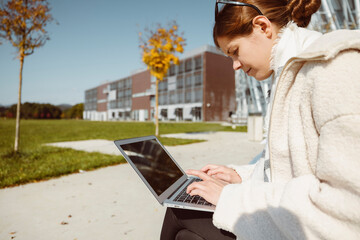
(94, 42)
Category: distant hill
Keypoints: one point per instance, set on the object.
(64, 107)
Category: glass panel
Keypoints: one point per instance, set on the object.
(180, 97)
(188, 65)
(188, 81)
(128, 93)
(188, 96)
(163, 86)
(179, 82)
(112, 104)
(181, 67)
(198, 95)
(172, 97)
(172, 70)
(198, 62)
(198, 79)
(121, 84)
(120, 94)
(113, 86)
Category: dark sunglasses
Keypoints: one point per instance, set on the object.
(235, 4)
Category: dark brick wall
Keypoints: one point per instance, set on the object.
(219, 87)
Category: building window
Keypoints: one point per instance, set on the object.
(164, 114)
(179, 82)
(179, 114)
(152, 101)
(172, 70)
(120, 103)
(128, 83)
(146, 114)
(198, 95)
(198, 62)
(120, 94)
(121, 84)
(180, 97)
(196, 113)
(181, 67)
(188, 96)
(127, 102)
(135, 115)
(188, 81)
(163, 85)
(113, 86)
(128, 93)
(188, 65)
(112, 104)
(91, 99)
(172, 97)
(163, 99)
(127, 115)
(198, 79)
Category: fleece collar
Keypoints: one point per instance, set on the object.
(291, 41)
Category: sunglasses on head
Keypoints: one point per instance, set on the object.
(235, 4)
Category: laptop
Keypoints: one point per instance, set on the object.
(161, 174)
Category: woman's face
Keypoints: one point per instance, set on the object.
(250, 53)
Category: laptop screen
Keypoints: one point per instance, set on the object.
(154, 164)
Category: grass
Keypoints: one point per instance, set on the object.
(37, 162)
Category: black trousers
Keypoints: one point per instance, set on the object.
(180, 224)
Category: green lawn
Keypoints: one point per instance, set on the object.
(37, 162)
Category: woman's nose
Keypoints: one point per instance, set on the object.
(236, 64)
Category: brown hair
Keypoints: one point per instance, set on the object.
(237, 20)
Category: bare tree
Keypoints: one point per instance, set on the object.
(23, 25)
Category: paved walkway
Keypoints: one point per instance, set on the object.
(91, 205)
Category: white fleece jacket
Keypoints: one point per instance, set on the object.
(314, 142)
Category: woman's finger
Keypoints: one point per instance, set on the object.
(209, 167)
(217, 170)
(210, 190)
(198, 173)
(222, 177)
(193, 186)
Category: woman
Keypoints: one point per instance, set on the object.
(307, 185)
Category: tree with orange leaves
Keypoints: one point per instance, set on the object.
(158, 53)
(22, 23)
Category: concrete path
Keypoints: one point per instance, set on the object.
(92, 205)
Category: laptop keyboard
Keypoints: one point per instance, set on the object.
(186, 198)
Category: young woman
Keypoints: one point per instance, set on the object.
(307, 184)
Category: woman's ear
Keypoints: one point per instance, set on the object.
(263, 25)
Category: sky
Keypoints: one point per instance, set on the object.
(94, 42)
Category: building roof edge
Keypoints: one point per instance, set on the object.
(199, 50)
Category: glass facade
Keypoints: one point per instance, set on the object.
(180, 93)
(123, 94)
(189, 82)
(90, 100)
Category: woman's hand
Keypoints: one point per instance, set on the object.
(222, 173)
(210, 188)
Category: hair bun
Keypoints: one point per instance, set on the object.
(302, 10)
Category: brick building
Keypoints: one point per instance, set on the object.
(200, 88)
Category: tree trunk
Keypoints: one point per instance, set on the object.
(157, 107)
(17, 131)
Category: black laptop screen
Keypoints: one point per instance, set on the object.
(154, 164)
